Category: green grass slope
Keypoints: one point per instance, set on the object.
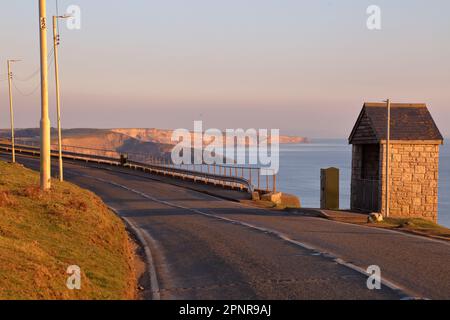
(42, 234)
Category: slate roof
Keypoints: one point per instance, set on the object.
(408, 122)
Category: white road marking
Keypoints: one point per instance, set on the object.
(141, 233)
(385, 282)
(406, 234)
(406, 294)
(240, 204)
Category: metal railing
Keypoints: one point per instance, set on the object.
(243, 178)
(365, 195)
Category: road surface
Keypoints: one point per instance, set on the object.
(203, 247)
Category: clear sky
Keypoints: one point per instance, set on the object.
(304, 66)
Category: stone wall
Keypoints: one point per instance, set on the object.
(413, 182)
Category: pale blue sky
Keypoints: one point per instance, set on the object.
(302, 66)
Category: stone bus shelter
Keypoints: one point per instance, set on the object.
(414, 161)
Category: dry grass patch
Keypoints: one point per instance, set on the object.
(411, 225)
(41, 234)
(418, 226)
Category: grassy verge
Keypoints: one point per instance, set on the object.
(411, 225)
(42, 234)
(418, 226)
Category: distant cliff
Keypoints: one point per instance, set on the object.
(103, 139)
(164, 136)
(151, 142)
(293, 140)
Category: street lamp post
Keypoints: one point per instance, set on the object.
(45, 173)
(388, 158)
(11, 110)
(56, 40)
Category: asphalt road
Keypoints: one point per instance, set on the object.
(208, 248)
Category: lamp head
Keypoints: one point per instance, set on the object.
(65, 16)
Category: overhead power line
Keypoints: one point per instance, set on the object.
(57, 14)
(35, 89)
(34, 74)
(27, 94)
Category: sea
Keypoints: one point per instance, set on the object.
(300, 166)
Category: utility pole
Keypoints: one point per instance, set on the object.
(45, 121)
(11, 110)
(388, 158)
(58, 102)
